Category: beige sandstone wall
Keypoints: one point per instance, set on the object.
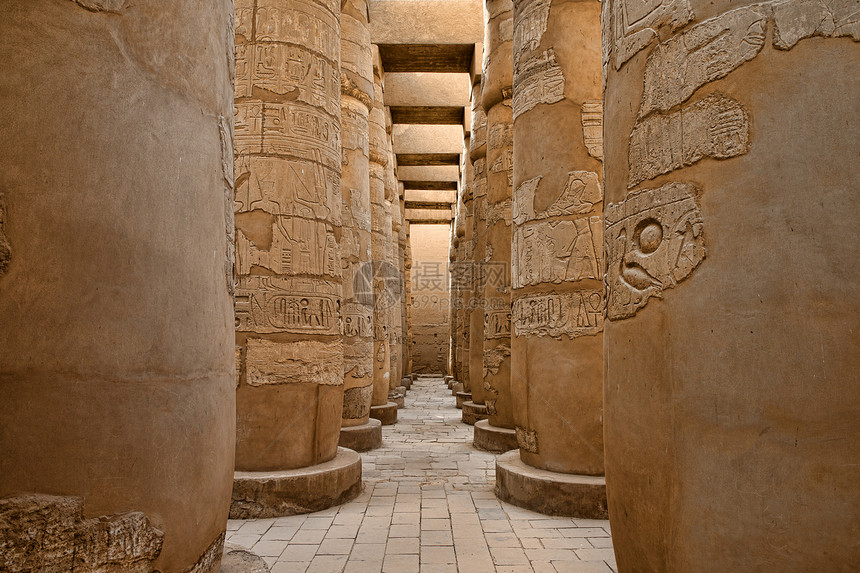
(116, 346)
(429, 295)
(732, 402)
(288, 226)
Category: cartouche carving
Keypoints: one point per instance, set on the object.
(716, 126)
(654, 240)
(557, 251)
(577, 313)
(280, 304)
(592, 127)
(303, 361)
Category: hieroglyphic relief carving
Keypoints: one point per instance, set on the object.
(313, 27)
(578, 197)
(355, 128)
(592, 127)
(225, 131)
(5, 247)
(297, 130)
(497, 324)
(557, 251)
(296, 246)
(706, 52)
(716, 126)
(356, 402)
(504, 163)
(494, 356)
(538, 80)
(529, 27)
(50, 533)
(499, 212)
(355, 354)
(654, 239)
(296, 305)
(501, 135)
(635, 24)
(795, 20)
(577, 313)
(527, 440)
(268, 363)
(247, 129)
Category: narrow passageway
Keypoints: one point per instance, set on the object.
(428, 506)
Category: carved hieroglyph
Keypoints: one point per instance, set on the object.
(538, 80)
(285, 304)
(635, 24)
(5, 247)
(577, 313)
(527, 440)
(592, 127)
(50, 533)
(795, 20)
(504, 163)
(303, 361)
(356, 402)
(716, 126)
(557, 251)
(493, 358)
(497, 324)
(654, 239)
(578, 197)
(529, 26)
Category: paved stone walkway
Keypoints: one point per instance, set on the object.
(428, 506)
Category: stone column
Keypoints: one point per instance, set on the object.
(497, 432)
(116, 284)
(475, 409)
(392, 271)
(557, 267)
(464, 274)
(358, 432)
(732, 401)
(405, 259)
(289, 294)
(381, 408)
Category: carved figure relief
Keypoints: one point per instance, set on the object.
(557, 251)
(278, 304)
(268, 362)
(493, 358)
(296, 246)
(578, 313)
(716, 126)
(538, 80)
(527, 440)
(635, 24)
(578, 197)
(592, 127)
(795, 20)
(355, 358)
(5, 247)
(529, 26)
(497, 324)
(654, 240)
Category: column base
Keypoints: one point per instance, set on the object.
(386, 413)
(457, 387)
(494, 439)
(462, 398)
(398, 399)
(239, 560)
(406, 381)
(448, 379)
(450, 383)
(547, 492)
(361, 438)
(302, 490)
(473, 412)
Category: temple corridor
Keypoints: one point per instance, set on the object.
(428, 503)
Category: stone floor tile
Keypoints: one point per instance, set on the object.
(279, 533)
(542, 567)
(444, 554)
(269, 548)
(255, 526)
(400, 564)
(495, 525)
(402, 546)
(532, 543)
(290, 567)
(431, 524)
(551, 555)
(368, 552)
(410, 518)
(436, 538)
(327, 564)
(298, 553)
(570, 542)
(336, 547)
(441, 568)
(308, 536)
(246, 541)
(342, 532)
(357, 566)
(407, 530)
(583, 532)
(509, 556)
(502, 540)
(603, 554)
(581, 567)
(600, 542)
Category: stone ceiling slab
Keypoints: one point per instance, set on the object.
(423, 196)
(428, 138)
(429, 173)
(426, 21)
(426, 89)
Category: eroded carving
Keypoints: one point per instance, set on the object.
(296, 130)
(494, 356)
(795, 20)
(539, 79)
(497, 324)
(592, 127)
(557, 251)
(578, 197)
(578, 313)
(278, 304)
(499, 212)
(529, 26)
(501, 135)
(504, 163)
(654, 240)
(706, 52)
(356, 402)
(5, 247)
(49, 533)
(635, 24)
(527, 440)
(300, 362)
(716, 126)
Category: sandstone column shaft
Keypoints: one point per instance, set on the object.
(495, 275)
(466, 270)
(288, 218)
(557, 269)
(356, 75)
(116, 283)
(391, 273)
(732, 401)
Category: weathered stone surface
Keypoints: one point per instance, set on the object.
(539, 80)
(716, 126)
(356, 403)
(494, 438)
(303, 361)
(558, 251)
(385, 413)
(579, 195)
(49, 533)
(578, 313)
(473, 412)
(655, 239)
(363, 438)
(238, 560)
(636, 24)
(592, 127)
(5, 247)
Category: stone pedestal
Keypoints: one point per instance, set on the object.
(406, 381)
(385, 413)
(492, 438)
(456, 387)
(732, 395)
(473, 412)
(361, 438)
(116, 285)
(463, 397)
(557, 266)
(548, 492)
(293, 492)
